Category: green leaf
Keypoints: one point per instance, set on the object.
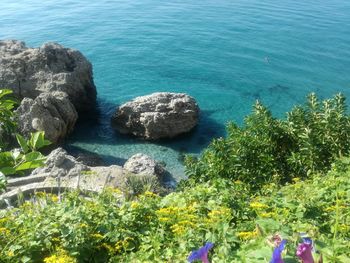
(38, 141)
(30, 165)
(34, 156)
(22, 142)
(8, 170)
(4, 92)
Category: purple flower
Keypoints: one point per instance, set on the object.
(201, 254)
(307, 240)
(276, 256)
(304, 251)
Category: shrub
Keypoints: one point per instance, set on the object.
(108, 228)
(267, 149)
(7, 125)
(17, 160)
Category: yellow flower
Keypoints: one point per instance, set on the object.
(83, 225)
(4, 220)
(168, 210)
(247, 235)
(334, 208)
(61, 256)
(178, 229)
(218, 215)
(115, 190)
(54, 198)
(150, 194)
(108, 247)
(134, 205)
(10, 254)
(97, 236)
(4, 231)
(257, 205)
(186, 223)
(268, 214)
(344, 228)
(296, 179)
(122, 244)
(27, 205)
(40, 194)
(118, 246)
(164, 219)
(55, 239)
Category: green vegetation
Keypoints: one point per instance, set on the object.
(7, 125)
(155, 229)
(17, 160)
(268, 177)
(267, 149)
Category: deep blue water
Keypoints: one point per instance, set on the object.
(225, 53)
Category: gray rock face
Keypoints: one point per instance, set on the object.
(63, 172)
(32, 71)
(49, 112)
(156, 116)
(144, 165)
(59, 163)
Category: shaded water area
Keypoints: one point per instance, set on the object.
(224, 53)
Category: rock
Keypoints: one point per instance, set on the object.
(144, 165)
(59, 163)
(52, 113)
(63, 172)
(90, 159)
(112, 176)
(159, 115)
(52, 67)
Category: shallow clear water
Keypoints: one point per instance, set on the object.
(225, 53)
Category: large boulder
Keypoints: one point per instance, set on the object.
(156, 116)
(49, 112)
(143, 164)
(52, 67)
(60, 163)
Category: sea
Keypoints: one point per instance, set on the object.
(225, 53)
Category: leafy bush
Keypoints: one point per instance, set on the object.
(135, 185)
(267, 149)
(25, 158)
(7, 125)
(108, 228)
(21, 159)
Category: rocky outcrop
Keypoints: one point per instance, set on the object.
(62, 172)
(59, 163)
(52, 113)
(52, 67)
(156, 116)
(144, 165)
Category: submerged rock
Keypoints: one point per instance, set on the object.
(52, 67)
(156, 116)
(144, 165)
(49, 112)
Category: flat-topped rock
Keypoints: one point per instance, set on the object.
(156, 116)
(51, 67)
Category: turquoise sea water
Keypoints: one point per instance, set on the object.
(225, 53)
